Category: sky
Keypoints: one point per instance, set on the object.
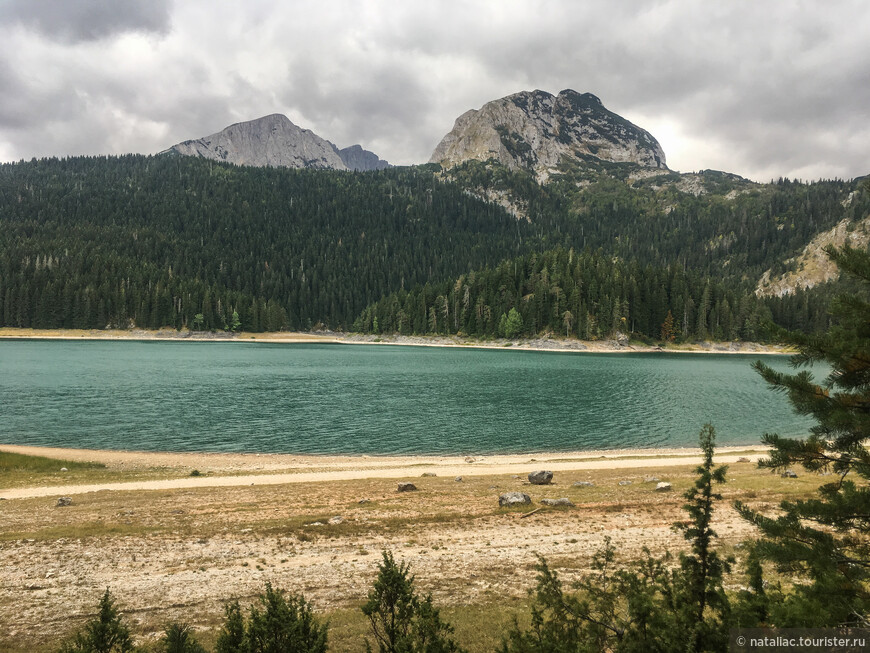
(763, 89)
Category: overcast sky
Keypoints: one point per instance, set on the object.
(760, 88)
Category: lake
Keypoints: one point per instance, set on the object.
(371, 399)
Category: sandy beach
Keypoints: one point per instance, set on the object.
(542, 343)
(232, 470)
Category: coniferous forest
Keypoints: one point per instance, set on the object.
(179, 242)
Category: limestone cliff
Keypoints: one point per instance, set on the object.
(536, 130)
(275, 141)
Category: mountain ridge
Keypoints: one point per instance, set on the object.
(274, 140)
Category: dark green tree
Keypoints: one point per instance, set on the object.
(701, 602)
(826, 540)
(282, 624)
(232, 635)
(107, 633)
(399, 620)
(179, 638)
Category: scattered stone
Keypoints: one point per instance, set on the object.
(788, 474)
(428, 474)
(743, 459)
(564, 501)
(64, 469)
(541, 477)
(515, 476)
(407, 487)
(315, 523)
(651, 479)
(458, 479)
(49, 574)
(584, 484)
(469, 459)
(64, 501)
(361, 501)
(663, 487)
(625, 482)
(336, 520)
(514, 499)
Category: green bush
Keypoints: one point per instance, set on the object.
(402, 622)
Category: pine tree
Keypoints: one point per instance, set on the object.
(826, 540)
(107, 633)
(179, 638)
(399, 620)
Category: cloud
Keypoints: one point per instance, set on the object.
(73, 21)
(760, 89)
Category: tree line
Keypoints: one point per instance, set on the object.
(587, 295)
(96, 242)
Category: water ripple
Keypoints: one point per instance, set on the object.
(377, 400)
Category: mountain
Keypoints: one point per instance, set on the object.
(356, 158)
(537, 131)
(275, 141)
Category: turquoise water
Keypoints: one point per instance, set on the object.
(205, 396)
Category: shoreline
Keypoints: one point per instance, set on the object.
(246, 469)
(541, 344)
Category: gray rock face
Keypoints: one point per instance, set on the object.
(564, 501)
(275, 141)
(514, 499)
(535, 130)
(541, 477)
(356, 158)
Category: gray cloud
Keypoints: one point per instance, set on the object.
(86, 20)
(760, 89)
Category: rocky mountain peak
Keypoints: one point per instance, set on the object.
(275, 141)
(536, 130)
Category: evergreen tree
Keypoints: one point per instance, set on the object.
(826, 540)
(107, 633)
(399, 620)
(179, 638)
(282, 624)
(232, 635)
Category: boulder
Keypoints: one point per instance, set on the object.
(64, 501)
(625, 482)
(64, 469)
(336, 520)
(428, 474)
(470, 459)
(743, 459)
(651, 479)
(564, 501)
(584, 484)
(663, 487)
(541, 477)
(407, 487)
(788, 474)
(458, 479)
(514, 499)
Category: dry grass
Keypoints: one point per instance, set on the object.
(180, 554)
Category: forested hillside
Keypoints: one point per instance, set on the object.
(182, 242)
(158, 241)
